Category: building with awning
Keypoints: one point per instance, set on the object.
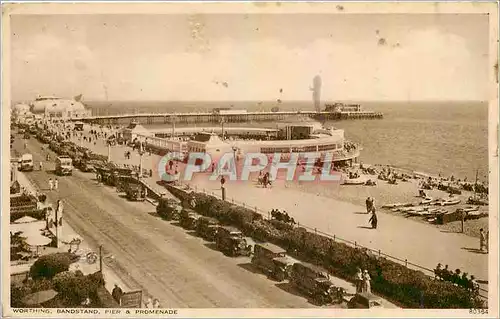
(134, 130)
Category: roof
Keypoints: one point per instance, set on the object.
(313, 267)
(231, 229)
(273, 248)
(369, 296)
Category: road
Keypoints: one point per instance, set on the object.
(154, 255)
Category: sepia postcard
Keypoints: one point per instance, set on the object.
(250, 159)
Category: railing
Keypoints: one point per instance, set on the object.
(427, 271)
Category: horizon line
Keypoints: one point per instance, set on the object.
(272, 101)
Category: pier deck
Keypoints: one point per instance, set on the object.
(211, 117)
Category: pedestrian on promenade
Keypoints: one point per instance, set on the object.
(148, 303)
(482, 241)
(41, 166)
(56, 184)
(358, 279)
(156, 303)
(487, 240)
(117, 293)
(369, 204)
(374, 220)
(51, 184)
(366, 282)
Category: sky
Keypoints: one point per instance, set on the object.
(238, 57)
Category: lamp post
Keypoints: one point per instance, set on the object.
(109, 151)
(141, 152)
(173, 118)
(223, 189)
(234, 156)
(222, 121)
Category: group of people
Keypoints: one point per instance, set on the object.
(265, 179)
(457, 277)
(282, 216)
(53, 184)
(362, 281)
(370, 208)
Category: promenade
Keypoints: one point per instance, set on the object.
(397, 236)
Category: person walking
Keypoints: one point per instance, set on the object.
(366, 282)
(156, 303)
(374, 220)
(368, 205)
(41, 166)
(56, 184)
(117, 293)
(51, 184)
(359, 281)
(482, 241)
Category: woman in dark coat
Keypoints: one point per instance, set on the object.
(373, 220)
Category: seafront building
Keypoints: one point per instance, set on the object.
(299, 136)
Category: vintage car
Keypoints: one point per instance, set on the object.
(230, 241)
(207, 228)
(315, 283)
(189, 219)
(169, 209)
(272, 260)
(133, 189)
(364, 301)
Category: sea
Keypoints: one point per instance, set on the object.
(447, 138)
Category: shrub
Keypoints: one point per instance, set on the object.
(49, 265)
(17, 293)
(74, 287)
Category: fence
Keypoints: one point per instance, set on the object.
(427, 271)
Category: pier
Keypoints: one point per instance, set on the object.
(212, 117)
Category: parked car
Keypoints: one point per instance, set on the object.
(272, 260)
(207, 228)
(230, 241)
(168, 208)
(365, 301)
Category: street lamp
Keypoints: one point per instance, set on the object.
(173, 119)
(234, 156)
(222, 121)
(222, 182)
(141, 153)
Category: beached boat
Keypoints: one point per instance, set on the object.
(427, 200)
(471, 209)
(354, 181)
(398, 205)
(392, 205)
(450, 201)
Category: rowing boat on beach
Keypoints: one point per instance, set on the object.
(354, 181)
(450, 201)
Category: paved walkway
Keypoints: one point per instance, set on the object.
(396, 236)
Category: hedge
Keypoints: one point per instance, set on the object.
(398, 283)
